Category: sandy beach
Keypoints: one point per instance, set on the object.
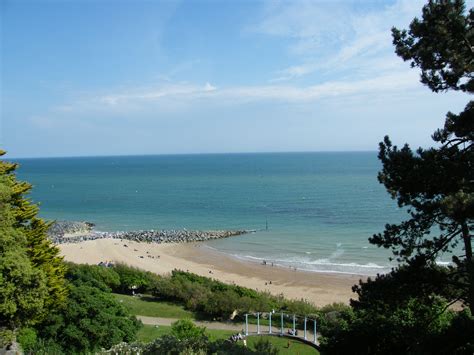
(318, 288)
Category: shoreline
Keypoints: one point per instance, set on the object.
(246, 259)
(319, 288)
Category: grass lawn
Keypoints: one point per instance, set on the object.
(151, 307)
(281, 343)
(150, 332)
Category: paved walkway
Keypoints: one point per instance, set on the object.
(208, 325)
(219, 325)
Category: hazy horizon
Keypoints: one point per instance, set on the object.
(8, 157)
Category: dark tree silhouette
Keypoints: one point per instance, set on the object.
(436, 184)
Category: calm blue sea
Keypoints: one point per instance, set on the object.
(320, 207)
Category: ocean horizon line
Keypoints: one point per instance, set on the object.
(188, 154)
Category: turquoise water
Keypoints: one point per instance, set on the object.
(320, 207)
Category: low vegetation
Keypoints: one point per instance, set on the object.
(149, 333)
(152, 307)
(200, 297)
(183, 337)
(97, 316)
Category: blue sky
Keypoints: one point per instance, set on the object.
(110, 77)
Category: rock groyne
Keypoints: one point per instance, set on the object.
(75, 232)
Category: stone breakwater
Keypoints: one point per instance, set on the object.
(60, 228)
(72, 232)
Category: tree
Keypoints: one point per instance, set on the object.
(405, 311)
(436, 185)
(42, 254)
(31, 272)
(22, 286)
(90, 319)
(441, 44)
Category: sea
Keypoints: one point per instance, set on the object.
(310, 211)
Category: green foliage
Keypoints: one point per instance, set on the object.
(91, 319)
(27, 338)
(205, 297)
(41, 252)
(392, 290)
(436, 184)
(7, 336)
(406, 311)
(104, 278)
(441, 44)
(23, 290)
(45, 347)
(134, 278)
(152, 307)
(281, 345)
(31, 271)
(264, 346)
(169, 344)
(334, 319)
(458, 338)
(408, 329)
(150, 332)
(218, 300)
(185, 329)
(393, 315)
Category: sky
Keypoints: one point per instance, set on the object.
(103, 77)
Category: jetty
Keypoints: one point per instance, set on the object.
(61, 232)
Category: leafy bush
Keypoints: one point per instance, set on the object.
(208, 297)
(91, 319)
(104, 278)
(140, 280)
(218, 300)
(27, 338)
(45, 347)
(334, 318)
(185, 329)
(169, 344)
(263, 346)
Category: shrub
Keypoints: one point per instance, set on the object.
(91, 319)
(104, 278)
(185, 329)
(135, 278)
(169, 344)
(27, 338)
(264, 346)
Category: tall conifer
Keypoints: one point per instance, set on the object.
(31, 270)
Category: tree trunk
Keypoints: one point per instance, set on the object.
(469, 264)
